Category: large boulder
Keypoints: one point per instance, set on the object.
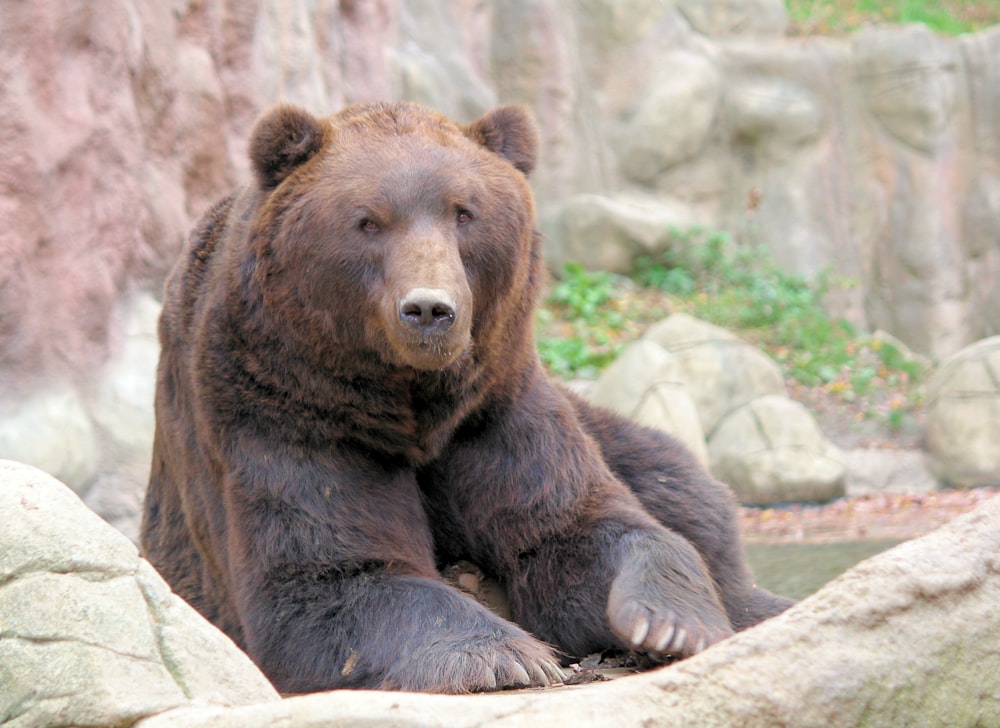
(51, 430)
(736, 17)
(909, 637)
(645, 384)
(771, 450)
(722, 371)
(671, 124)
(608, 233)
(89, 632)
(963, 416)
(887, 470)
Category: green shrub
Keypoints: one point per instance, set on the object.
(742, 288)
(578, 323)
(950, 17)
(588, 316)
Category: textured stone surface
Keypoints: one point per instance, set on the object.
(722, 372)
(736, 17)
(52, 431)
(671, 124)
(121, 410)
(607, 233)
(909, 637)
(887, 470)
(698, 381)
(963, 416)
(89, 632)
(770, 450)
(645, 384)
(121, 403)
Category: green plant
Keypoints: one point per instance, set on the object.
(581, 322)
(583, 293)
(742, 288)
(588, 316)
(950, 17)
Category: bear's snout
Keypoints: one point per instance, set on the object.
(428, 310)
(427, 307)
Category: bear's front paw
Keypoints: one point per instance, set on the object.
(665, 611)
(504, 657)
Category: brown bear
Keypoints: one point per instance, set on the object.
(349, 398)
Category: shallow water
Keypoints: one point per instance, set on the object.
(798, 570)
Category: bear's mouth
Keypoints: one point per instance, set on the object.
(430, 352)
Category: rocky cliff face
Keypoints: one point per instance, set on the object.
(120, 120)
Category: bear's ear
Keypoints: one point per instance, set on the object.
(281, 140)
(509, 131)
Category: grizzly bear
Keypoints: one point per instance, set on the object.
(349, 398)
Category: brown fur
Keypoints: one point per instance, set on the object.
(349, 396)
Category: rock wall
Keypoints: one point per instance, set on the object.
(121, 120)
(875, 156)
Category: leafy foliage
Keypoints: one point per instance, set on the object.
(582, 302)
(742, 288)
(950, 17)
(589, 315)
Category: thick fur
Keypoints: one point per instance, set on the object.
(320, 452)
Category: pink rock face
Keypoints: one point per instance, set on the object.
(79, 225)
(119, 124)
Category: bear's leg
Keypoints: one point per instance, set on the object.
(619, 585)
(167, 543)
(331, 565)
(528, 497)
(675, 489)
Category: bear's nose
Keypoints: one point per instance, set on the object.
(427, 309)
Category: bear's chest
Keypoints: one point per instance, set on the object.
(388, 416)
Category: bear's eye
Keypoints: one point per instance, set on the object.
(369, 226)
(463, 217)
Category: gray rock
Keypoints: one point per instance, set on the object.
(883, 470)
(605, 233)
(771, 450)
(672, 122)
(123, 404)
(122, 409)
(52, 431)
(645, 384)
(89, 632)
(760, 18)
(963, 416)
(908, 637)
(907, 76)
(773, 112)
(721, 371)
(434, 73)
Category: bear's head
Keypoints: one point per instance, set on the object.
(400, 233)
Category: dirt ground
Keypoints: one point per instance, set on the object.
(882, 516)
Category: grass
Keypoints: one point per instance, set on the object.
(836, 17)
(589, 316)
